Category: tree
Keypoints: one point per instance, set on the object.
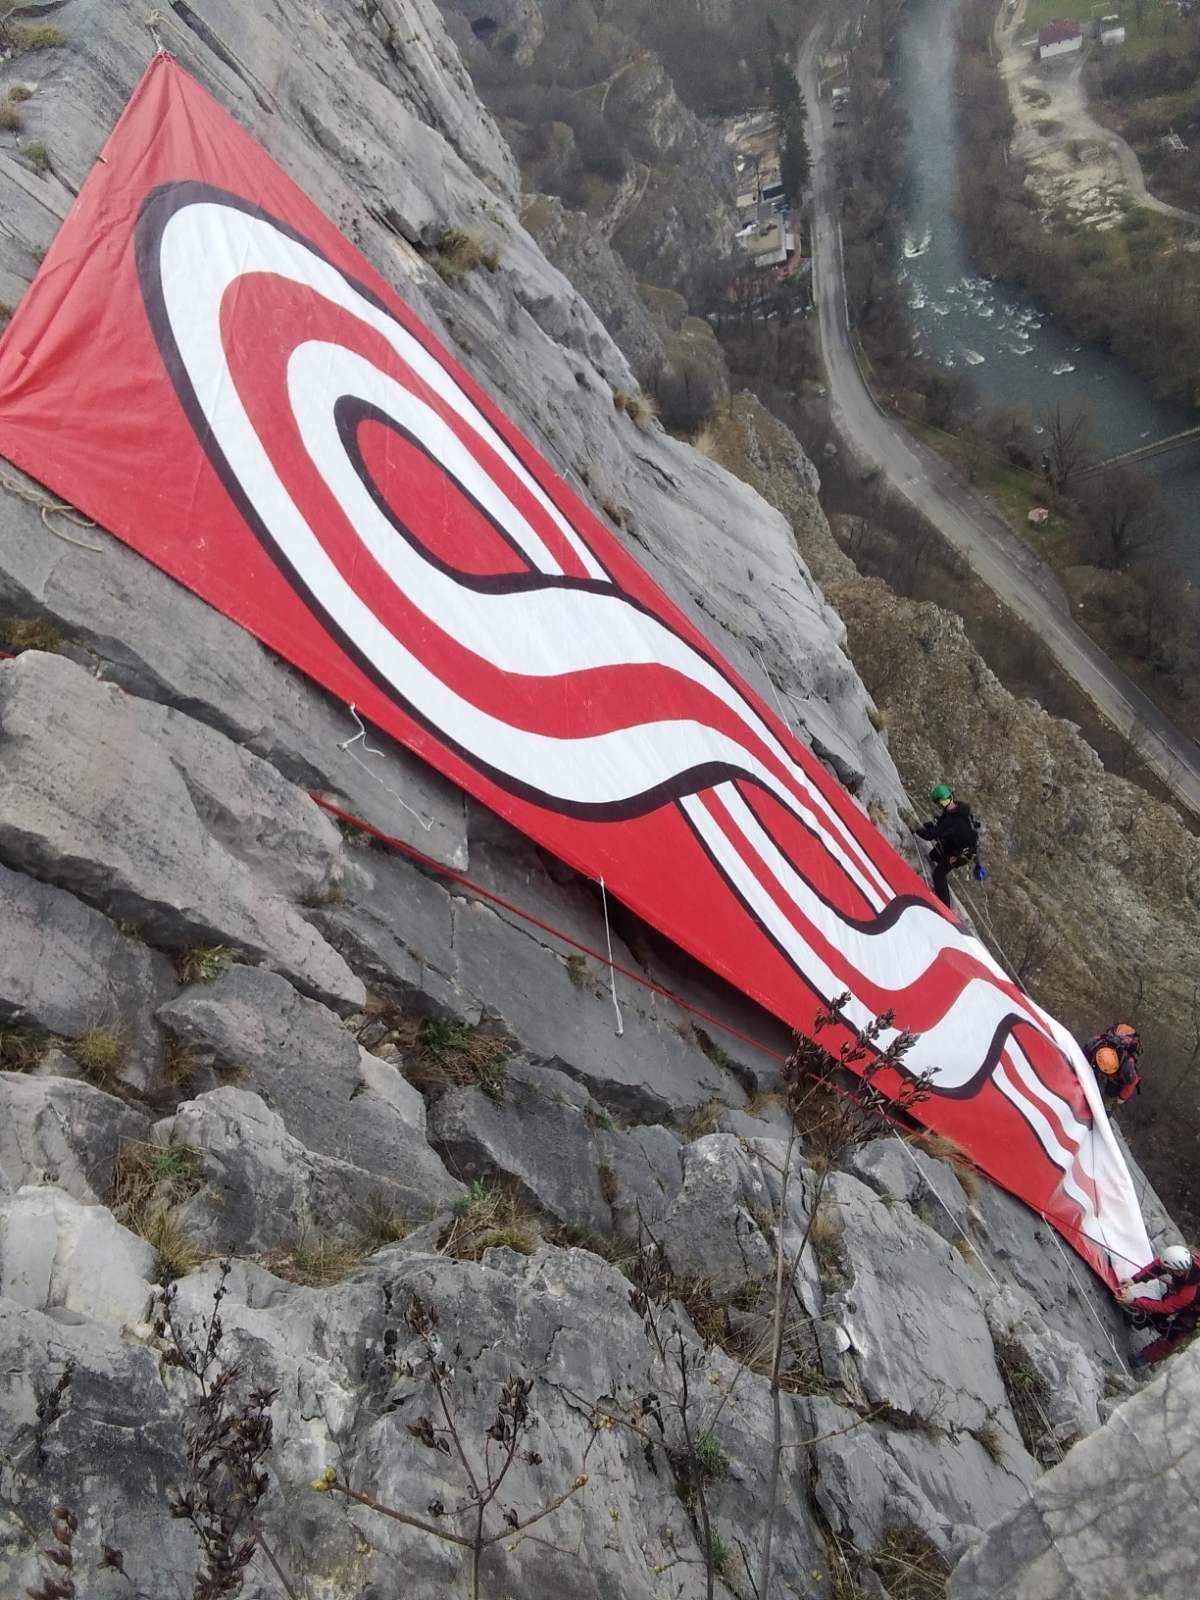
(1068, 434)
(1124, 519)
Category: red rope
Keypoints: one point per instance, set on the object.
(636, 977)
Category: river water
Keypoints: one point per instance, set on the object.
(1002, 340)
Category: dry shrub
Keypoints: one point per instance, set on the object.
(10, 118)
(910, 1565)
(458, 252)
(943, 1149)
(490, 1217)
(704, 1119)
(29, 633)
(440, 1054)
(203, 963)
(639, 408)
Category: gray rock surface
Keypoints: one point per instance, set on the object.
(64, 968)
(62, 1132)
(154, 818)
(265, 1190)
(539, 1134)
(1112, 1519)
(72, 1261)
(333, 1096)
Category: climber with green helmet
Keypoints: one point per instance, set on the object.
(954, 833)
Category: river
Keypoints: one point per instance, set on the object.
(1013, 352)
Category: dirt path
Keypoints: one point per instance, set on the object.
(1074, 161)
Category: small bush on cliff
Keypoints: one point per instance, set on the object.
(151, 1184)
(458, 252)
(10, 118)
(490, 1217)
(1028, 1395)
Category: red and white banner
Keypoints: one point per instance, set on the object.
(206, 367)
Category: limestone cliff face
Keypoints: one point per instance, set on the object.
(229, 1029)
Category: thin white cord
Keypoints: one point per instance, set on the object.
(903, 1145)
(762, 667)
(1096, 1315)
(344, 747)
(612, 971)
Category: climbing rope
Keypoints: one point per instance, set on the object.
(370, 750)
(49, 507)
(612, 971)
(903, 1143)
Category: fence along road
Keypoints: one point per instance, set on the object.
(995, 553)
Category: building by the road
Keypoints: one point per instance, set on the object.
(1059, 39)
(1110, 31)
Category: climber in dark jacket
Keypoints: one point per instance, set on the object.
(1179, 1308)
(955, 836)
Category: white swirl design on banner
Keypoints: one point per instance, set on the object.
(545, 632)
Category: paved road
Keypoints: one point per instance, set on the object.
(995, 553)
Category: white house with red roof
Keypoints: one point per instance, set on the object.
(1059, 39)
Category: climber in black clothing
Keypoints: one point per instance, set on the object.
(955, 836)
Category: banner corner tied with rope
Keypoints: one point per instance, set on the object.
(207, 367)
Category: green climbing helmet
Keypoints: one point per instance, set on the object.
(940, 793)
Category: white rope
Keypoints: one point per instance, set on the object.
(344, 747)
(904, 1146)
(1095, 1314)
(612, 971)
(762, 667)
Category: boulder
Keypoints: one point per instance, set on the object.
(907, 1302)
(898, 1170)
(1113, 1517)
(333, 1097)
(264, 1190)
(870, 1478)
(88, 1423)
(62, 1132)
(72, 1261)
(1072, 1384)
(539, 1134)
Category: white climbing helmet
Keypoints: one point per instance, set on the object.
(1176, 1258)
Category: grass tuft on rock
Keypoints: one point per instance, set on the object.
(1028, 1395)
(458, 252)
(100, 1054)
(25, 36)
(315, 1259)
(29, 633)
(10, 118)
(910, 1565)
(22, 1049)
(440, 1053)
(490, 1217)
(151, 1185)
(37, 155)
(203, 963)
(383, 1225)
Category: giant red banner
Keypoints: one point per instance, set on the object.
(206, 367)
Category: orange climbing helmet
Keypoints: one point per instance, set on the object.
(1107, 1061)
(1125, 1030)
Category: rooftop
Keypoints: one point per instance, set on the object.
(1058, 32)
